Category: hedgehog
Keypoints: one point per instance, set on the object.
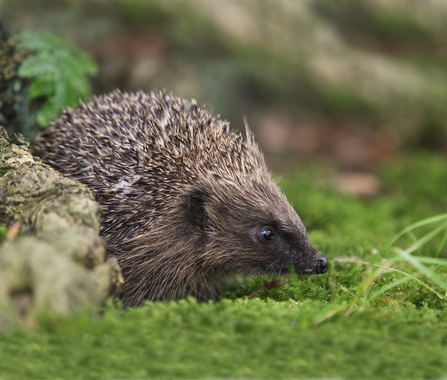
(188, 204)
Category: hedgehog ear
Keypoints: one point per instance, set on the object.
(196, 208)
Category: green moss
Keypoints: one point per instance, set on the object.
(242, 339)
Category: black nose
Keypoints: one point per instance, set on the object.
(321, 265)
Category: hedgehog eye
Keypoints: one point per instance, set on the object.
(266, 234)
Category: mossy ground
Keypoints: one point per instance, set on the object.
(316, 327)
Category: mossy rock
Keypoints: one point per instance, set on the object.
(58, 267)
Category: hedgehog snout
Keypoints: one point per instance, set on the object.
(321, 265)
(312, 262)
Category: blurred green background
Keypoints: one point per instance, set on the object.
(351, 83)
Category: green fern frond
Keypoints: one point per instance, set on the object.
(58, 73)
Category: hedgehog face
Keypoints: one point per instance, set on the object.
(288, 248)
(256, 240)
